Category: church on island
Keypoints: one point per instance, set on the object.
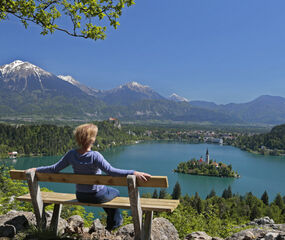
(207, 160)
(207, 167)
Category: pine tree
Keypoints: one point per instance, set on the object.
(264, 198)
(227, 193)
(230, 194)
(155, 195)
(212, 194)
(255, 212)
(162, 194)
(279, 201)
(176, 194)
(198, 205)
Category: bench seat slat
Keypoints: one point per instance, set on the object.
(154, 181)
(147, 204)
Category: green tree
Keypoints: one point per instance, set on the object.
(155, 195)
(197, 203)
(279, 201)
(212, 194)
(255, 212)
(227, 193)
(162, 194)
(87, 18)
(264, 198)
(176, 194)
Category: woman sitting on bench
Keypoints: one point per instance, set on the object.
(85, 161)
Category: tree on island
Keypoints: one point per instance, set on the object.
(81, 18)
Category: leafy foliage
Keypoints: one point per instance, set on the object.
(219, 216)
(86, 18)
(9, 190)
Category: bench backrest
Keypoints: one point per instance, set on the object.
(154, 181)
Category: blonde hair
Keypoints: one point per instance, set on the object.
(85, 134)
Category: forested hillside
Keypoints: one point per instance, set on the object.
(55, 140)
(272, 143)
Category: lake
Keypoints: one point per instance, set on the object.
(258, 173)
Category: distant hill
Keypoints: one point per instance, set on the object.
(272, 143)
(175, 111)
(206, 105)
(264, 109)
(30, 91)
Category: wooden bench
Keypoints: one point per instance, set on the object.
(138, 206)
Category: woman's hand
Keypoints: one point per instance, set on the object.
(142, 176)
(30, 170)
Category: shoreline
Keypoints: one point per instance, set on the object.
(238, 176)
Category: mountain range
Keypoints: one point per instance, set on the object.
(28, 90)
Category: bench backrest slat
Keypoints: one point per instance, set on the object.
(154, 181)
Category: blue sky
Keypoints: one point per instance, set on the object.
(215, 50)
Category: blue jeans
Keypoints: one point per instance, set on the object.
(114, 216)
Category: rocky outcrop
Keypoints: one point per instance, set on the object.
(162, 229)
(198, 235)
(262, 229)
(98, 231)
(75, 225)
(15, 222)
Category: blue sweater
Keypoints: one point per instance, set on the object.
(91, 162)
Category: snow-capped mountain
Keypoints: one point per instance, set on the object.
(177, 98)
(26, 89)
(22, 77)
(135, 86)
(128, 94)
(71, 80)
(32, 91)
(19, 66)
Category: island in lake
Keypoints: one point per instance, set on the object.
(206, 168)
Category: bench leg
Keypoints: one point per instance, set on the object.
(39, 206)
(135, 203)
(55, 218)
(147, 225)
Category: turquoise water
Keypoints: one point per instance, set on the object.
(258, 173)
